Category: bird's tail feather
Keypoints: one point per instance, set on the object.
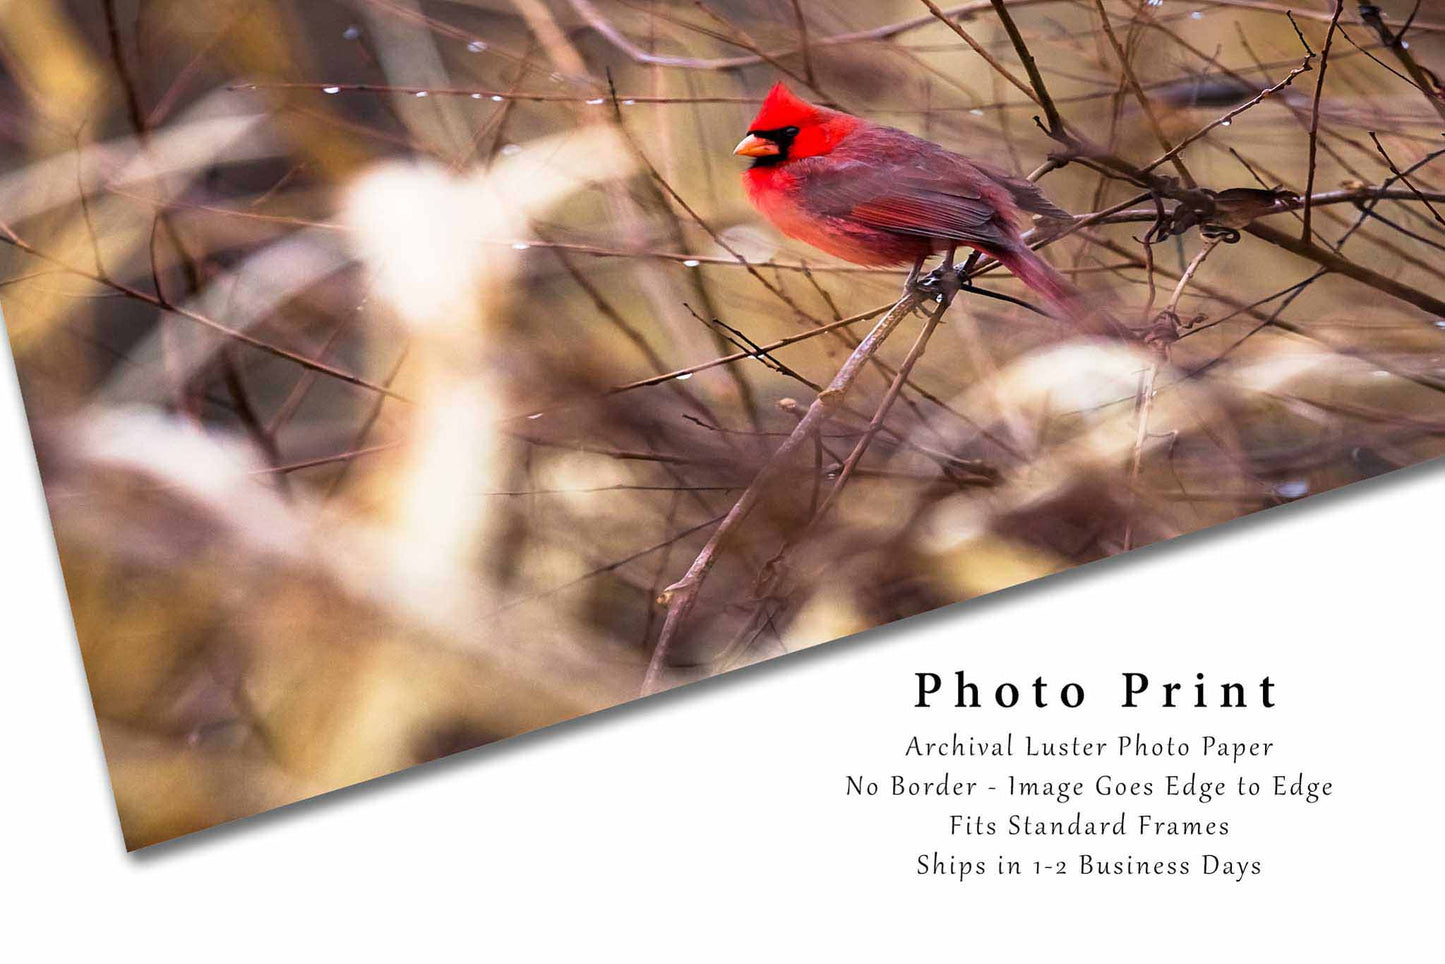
(1063, 297)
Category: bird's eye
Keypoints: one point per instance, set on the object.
(790, 131)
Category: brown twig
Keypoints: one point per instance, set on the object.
(480, 93)
(742, 39)
(1170, 153)
(850, 465)
(1170, 316)
(122, 68)
(227, 331)
(1144, 407)
(803, 44)
(1402, 177)
(681, 596)
(1341, 265)
(1040, 89)
(618, 39)
(1305, 234)
(1227, 118)
(979, 49)
(1370, 15)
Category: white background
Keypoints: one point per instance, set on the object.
(712, 822)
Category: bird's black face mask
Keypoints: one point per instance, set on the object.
(782, 137)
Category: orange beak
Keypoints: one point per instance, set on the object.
(755, 146)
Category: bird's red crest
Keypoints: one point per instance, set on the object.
(783, 108)
(819, 128)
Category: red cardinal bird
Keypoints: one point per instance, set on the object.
(877, 195)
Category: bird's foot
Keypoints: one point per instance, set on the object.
(940, 284)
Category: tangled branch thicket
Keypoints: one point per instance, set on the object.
(407, 374)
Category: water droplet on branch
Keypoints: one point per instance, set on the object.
(1293, 489)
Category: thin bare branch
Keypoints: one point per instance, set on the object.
(1305, 234)
(681, 596)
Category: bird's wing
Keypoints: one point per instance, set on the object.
(1026, 194)
(907, 199)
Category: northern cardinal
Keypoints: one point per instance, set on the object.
(877, 195)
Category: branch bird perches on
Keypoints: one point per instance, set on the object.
(681, 596)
